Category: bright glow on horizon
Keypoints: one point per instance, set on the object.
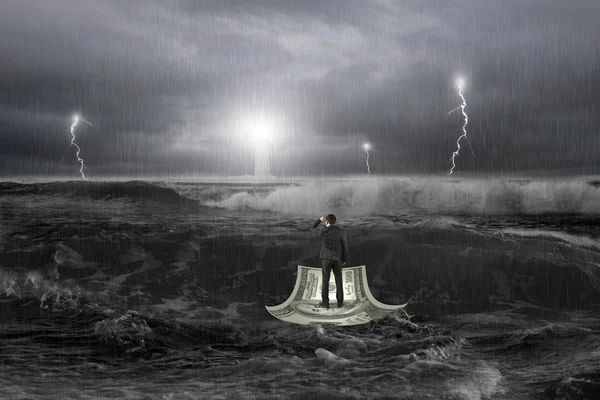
(261, 132)
(260, 129)
(367, 146)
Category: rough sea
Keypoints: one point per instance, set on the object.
(156, 290)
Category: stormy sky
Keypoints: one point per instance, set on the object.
(176, 88)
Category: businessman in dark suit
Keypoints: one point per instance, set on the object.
(334, 253)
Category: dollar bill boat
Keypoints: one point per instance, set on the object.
(359, 306)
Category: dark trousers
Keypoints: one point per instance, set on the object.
(326, 267)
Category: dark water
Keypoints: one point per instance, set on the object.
(157, 290)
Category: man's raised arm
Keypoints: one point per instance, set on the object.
(317, 222)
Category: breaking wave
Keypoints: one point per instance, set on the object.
(124, 191)
(53, 296)
(420, 194)
(360, 197)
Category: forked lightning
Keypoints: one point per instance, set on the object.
(464, 135)
(79, 159)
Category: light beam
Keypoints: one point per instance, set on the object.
(461, 83)
(261, 130)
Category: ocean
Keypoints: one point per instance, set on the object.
(157, 289)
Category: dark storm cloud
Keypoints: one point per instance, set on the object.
(164, 84)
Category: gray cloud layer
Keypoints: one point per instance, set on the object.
(166, 85)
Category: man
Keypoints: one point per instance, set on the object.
(333, 254)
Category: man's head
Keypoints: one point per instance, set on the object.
(330, 220)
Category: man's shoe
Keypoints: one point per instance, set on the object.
(340, 304)
(322, 305)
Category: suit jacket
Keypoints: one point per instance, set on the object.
(335, 246)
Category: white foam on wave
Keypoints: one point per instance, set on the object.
(331, 360)
(392, 194)
(566, 238)
(53, 296)
(483, 383)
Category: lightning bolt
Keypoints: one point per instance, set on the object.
(366, 147)
(464, 135)
(79, 159)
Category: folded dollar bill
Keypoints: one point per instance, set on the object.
(359, 306)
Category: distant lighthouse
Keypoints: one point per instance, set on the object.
(262, 139)
(261, 130)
